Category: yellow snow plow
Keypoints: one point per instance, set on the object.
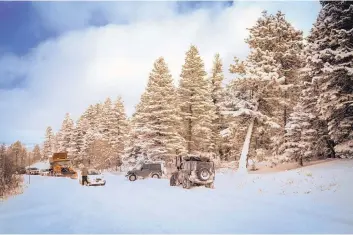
(61, 166)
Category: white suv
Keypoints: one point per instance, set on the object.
(94, 178)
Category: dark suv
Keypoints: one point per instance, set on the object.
(146, 170)
(193, 170)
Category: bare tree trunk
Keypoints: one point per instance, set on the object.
(246, 146)
(189, 132)
(285, 116)
(301, 162)
(244, 153)
(330, 145)
(16, 158)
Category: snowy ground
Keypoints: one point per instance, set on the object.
(317, 199)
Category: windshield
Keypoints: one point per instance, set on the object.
(64, 163)
(138, 166)
(93, 172)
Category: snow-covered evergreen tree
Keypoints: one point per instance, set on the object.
(106, 119)
(56, 145)
(238, 101)
(89, 115)
(306, 135)
(269, 76)
(119, 128)
(273, 38)
(331, 42)
(156, 121)
(134, 143)
(48, 148)
(197, 108)
(36, 156)
(65, 134)
(217, 93)
(79, 143)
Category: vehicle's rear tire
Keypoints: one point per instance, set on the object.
(186, 184)
(210, 185)
(155, 176)
(132, 177)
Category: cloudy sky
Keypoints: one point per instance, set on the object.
(58, 57)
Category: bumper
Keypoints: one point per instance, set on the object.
(97, 183)
(203, 182)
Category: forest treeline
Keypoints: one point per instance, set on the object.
(294, 92)
(292, 96)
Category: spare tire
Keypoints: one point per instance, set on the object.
(204, 174)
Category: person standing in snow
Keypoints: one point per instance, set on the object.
(84, 174)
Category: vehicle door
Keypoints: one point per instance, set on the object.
(144, 171)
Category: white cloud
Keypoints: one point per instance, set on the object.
(84, 66)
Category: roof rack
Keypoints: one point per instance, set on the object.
(196, 158)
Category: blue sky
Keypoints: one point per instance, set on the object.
(22, 25)
(94, 50)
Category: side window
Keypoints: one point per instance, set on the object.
(187, 166)
(156, 167)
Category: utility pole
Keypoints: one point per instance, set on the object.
(29, 164)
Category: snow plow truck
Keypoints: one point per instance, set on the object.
(61, 166)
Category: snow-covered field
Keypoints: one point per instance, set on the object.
(316, 199)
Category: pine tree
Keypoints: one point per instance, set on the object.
(156, 119)
(98, 117)
(15, 151)
(56, 145)
(197, 108)
(24, 157)
(306, 135)
(36, 156)
(238, 110)
(269, 77)
(119, 129)
(332, 56)
(217, 94)
(106, 119)
(133, 149)
(89, 115)
(274, 38)
(65, 136)
(49, 143)
(79, 141)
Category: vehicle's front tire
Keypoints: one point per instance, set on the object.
(155, 176)
(186, 184)
(132, 177)
(210, 185)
